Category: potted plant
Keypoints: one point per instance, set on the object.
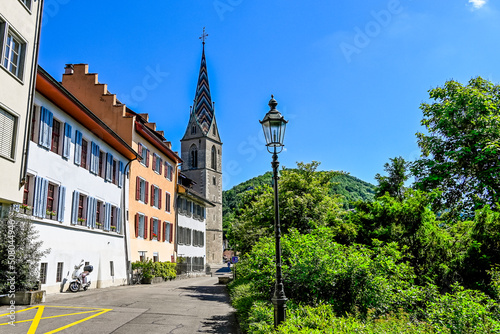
(81, 220)
(113, 228)
(50, 214)
(99, 225)
(155, 236)
(26, 208)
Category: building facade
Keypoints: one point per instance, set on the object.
(191, 221)
(75, 189)
(153, 177)
(19, 36)
(201, 151)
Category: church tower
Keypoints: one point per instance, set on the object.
(201, 151)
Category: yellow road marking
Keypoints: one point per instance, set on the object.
(79, 321)
(52, 316)
(36, 320)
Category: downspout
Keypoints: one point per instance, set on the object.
(27, 125)
(124, 219)
(177, 171)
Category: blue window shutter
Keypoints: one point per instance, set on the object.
(94, 213)
(78, 147)
(118, 220)
(61, 203)
(97, 151)
(50, 122)
(41, 128)
(107, 216)
(120, 174)
(43, 198)
(109, 167)
(92, 158)
(36, 196)
(74, 212)
(67, 140)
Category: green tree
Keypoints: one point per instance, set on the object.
(304, 200)
(394, 182)
(461, 148)
(20, 252)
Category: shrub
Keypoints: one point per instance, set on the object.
(150, 269)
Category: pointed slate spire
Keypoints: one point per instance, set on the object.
(203, 106)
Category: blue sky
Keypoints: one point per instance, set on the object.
(349, 75)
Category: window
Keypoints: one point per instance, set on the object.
(198, 238)
(144, 154)
(59, 272)
(167, 232)
(184, 236)
(56, 134)
(156, 258)
(140, 225)
(48, 199)
(141, 193)
(115, 175)
(169, 171)
(157, 163)
(14, 51)
(81, 212)
(193, 157)
(27, 3)
(193, 130)
(214, 158)
(111, 268)
(98, 216)
(156, 194)
(214, 181)
(84, 154)
(43, 272)
(8, 130)
(154, 229)
(142, 256)
(101, 162)
(167, 202)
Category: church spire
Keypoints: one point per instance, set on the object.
(203, 107)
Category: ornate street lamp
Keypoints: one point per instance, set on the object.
(274, 125)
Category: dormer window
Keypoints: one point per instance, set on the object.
(193, 130)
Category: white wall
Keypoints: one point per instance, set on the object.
(71, 243)
(14, 92)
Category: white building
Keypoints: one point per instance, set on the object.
(19, 36)
(76, 190)
(191, 227)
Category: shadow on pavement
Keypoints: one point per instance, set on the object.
(220, 324)
(208, 293)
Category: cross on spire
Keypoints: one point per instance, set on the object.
(203, 36)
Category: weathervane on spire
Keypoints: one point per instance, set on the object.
(203, 36)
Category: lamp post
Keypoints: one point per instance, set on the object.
(274, 125)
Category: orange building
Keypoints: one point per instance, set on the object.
(152, 179)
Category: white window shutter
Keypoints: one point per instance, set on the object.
(43, 198)
(107, 216)
(61, 203)
(89, 211)
(41, 127)
(36, 196)
(74, 212)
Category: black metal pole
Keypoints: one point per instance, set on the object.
(279, 299)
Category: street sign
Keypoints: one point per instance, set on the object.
(234, 259)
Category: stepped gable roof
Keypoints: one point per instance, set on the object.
(203, 108)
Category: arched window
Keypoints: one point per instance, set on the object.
(214, 158)
(193, 157)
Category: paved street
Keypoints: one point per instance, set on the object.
(194, 305)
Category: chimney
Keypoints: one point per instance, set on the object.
(68, 69)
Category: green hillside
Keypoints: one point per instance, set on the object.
(350, 187)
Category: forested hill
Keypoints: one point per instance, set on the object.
(350, 187)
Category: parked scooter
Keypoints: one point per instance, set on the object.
(79, 279)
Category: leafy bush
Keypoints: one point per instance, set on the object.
(150, 269)
(464, 311)
(20, 253)
(352, 279)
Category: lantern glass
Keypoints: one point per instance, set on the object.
(274, 131)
